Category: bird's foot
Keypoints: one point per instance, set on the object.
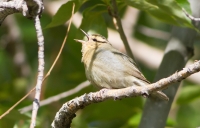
(145, 93)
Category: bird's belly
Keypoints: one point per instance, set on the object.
(108, 71)
(114, 80)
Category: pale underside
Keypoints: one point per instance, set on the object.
(113, 69)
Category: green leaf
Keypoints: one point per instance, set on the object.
(165, 10)
(94, 20)
(107, 2)
(188, 94)
(63, 14)
(98, 8)
(184, 4)
(141, 4)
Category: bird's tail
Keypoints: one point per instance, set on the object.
(160, 95)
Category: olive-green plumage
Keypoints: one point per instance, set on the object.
(106, 67)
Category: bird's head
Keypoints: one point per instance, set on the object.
(94, 39)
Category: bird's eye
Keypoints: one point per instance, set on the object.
(94, 39)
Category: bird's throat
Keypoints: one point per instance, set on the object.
(88, 54)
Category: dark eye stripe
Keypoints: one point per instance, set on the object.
(94, 40)
(99, 38)
(99, 41)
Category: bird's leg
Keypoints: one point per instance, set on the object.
(144, 92)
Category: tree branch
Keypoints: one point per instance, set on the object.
(40, 59)
(58, 97)
(29, 8)
(190, 16)
(36, 102)
(177, 53)
(7, 8)
(35, 7)
(67, 112)
(118, 25)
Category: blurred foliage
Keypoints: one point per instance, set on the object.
(69, 71)
(188, 94)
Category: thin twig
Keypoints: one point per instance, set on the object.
(118, 25)
(58, 97)
(36, 102)
(190, 16)
(5, 113)
(48, 71)
(67, 112)
(63, 44)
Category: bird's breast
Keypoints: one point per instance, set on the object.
(104, 69)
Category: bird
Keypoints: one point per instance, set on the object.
(108, 68)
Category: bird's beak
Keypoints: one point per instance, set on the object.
(82, 41)
(85, 34)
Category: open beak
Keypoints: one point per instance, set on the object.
(82, 41)
(85, 34)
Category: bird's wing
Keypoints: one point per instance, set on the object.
(130, 64)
